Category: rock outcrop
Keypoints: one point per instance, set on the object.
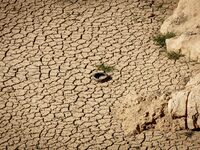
(185, 22)
(142, 112)
(167, 112)
(185, 104)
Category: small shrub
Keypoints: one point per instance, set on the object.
(160, 39)
(174, 55)
(189, 133)
(104, 68)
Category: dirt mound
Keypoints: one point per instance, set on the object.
(138, 113)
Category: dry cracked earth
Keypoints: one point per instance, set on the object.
(48, 52)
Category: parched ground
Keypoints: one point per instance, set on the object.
(48, 51)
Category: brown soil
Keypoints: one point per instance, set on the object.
(148, 112)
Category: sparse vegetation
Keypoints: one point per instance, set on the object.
(104, 68)
(174, 55)
(160, 39)
(189, 133)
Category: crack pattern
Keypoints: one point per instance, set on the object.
(48, 50)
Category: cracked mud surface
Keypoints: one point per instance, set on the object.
(48, 51)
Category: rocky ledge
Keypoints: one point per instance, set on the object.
(185, 22)
(170, 111)
(185, 104)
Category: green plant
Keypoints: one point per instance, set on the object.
(160, 39)
(174, 55)
(37, 146)
(104, 68)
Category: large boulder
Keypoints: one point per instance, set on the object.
(185, 22)
(186, 104)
